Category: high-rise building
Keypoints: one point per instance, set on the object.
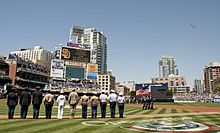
(37, 55)
(106, 82)
(167, 66)
(94, 40)
(211, 73)
(198, 85)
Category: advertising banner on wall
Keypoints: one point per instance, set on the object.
(92, 67)
(74, 45)
(92, 71)
(92, 75)
(74, 54)
(57, 68)
(75, 72)
(216, 100)
(74, 63)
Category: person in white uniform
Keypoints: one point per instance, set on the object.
(103, 103)
(112, 99)
(121, 103)
(61, 103)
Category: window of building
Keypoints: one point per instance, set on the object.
(171, 83)
(177, 83)
(183, 83)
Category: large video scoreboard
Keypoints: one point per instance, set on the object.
(74, 54)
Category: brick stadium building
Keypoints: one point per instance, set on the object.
(25, 73)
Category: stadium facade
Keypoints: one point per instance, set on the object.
(81, 63)
(25, 73)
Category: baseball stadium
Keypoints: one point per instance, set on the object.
(165, 114)
(164, 117)
(153, 107)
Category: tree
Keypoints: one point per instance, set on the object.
(216, 88)
(133, 93)
(169, 93)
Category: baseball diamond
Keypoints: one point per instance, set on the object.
(165, 117)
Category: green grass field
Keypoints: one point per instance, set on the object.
(106, 125)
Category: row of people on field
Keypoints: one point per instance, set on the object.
(148, 103)
(94, 101)
(73, 99)
(25, 101)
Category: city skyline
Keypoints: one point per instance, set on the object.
(138, 33)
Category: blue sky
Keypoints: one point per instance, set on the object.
(138, 33)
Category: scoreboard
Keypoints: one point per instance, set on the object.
(75, 72)
(74, 54)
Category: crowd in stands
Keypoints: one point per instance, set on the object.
(194, 97)
(81, 85)
(1, 91)
(30, 66)
(180, 97)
